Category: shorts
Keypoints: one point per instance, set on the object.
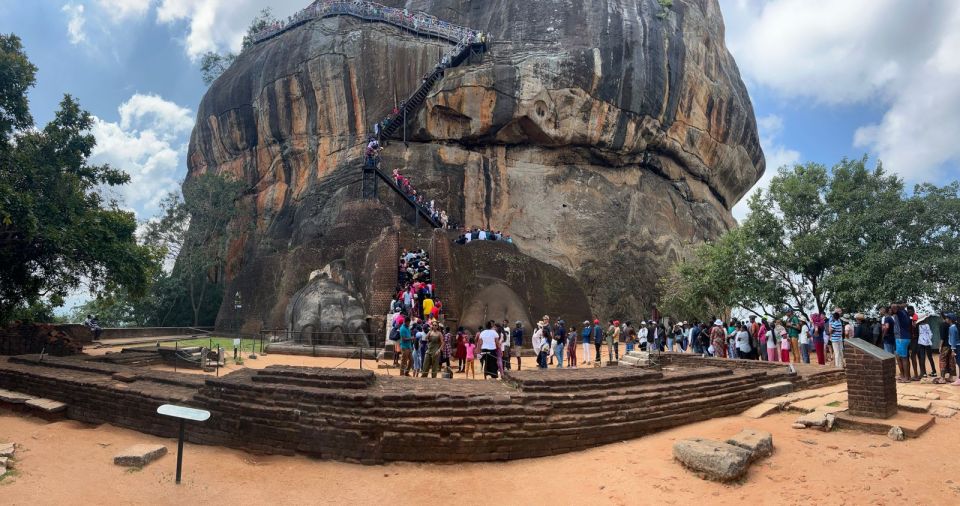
(903, 345)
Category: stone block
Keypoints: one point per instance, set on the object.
(7, 449)
(13, 397)
(914, 405)
(139, 455)
(776, 389)
(758, 443)
(47, 405)
(761, 410)
(711, 459)
(943, 412)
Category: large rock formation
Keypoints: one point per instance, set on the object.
(607, 136)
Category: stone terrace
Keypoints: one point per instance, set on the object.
(352, 415)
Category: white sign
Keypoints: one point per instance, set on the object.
(236, 343)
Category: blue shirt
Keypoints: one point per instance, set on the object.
(836, 330)
(406, 343)
(889, 338)
(954, 336)
(904, 322)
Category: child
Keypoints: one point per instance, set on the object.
(785, 348)
(572, 347)
(543, 353)
(471, 349)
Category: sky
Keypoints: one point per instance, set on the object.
(828, 79)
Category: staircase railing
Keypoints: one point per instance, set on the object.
(396, 188)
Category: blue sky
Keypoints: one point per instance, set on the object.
(828, 79)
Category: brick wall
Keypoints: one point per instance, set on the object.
(353, 416)
(871, 379)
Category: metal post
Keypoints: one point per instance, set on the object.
(180, 451)
(176, 353)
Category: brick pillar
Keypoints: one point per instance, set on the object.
(871, 379)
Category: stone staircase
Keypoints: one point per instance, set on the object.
(45, 408)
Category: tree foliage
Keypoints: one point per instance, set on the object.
(58, 229)
(213, 64)
(849, 236)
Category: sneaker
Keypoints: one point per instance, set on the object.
(956, 383)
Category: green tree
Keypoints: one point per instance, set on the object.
(817, 238)
(57, 228)
(213, 64)
(210, 203)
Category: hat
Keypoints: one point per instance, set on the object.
(546, 317)
(718, 323)
(616, 322)
(586, 322)
(951, 316)
(596, 322)
(518, 322)
(561, 322)
(922, 317)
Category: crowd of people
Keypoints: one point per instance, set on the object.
(427, 205)
(421, 342)
(482, 234)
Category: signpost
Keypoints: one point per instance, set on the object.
(182, 413)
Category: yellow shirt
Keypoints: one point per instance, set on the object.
(427, 306)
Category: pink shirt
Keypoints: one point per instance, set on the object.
(470, 351)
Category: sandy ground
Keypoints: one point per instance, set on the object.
(71, 463)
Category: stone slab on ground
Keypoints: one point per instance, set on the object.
(776, 389)
(6, 463)
(711, 459)
(47, 405)
(913, 424)
(757, 442)
(139, 455)
(7, 449)
(917, 406)
(815, 403)
(762, 410)
(942, 412)
(13, 397)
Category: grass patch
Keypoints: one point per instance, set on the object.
(247, 345)
(131, 470)
(11, 473)
(834, 404)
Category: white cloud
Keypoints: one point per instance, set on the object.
(218, 25)
(149, 143)
(119, 10)
(770, 127)
(75, 22)
(899, 55)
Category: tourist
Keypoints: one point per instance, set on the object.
(718, 340)
(406, 349)
(446, 349)
(585, 336)
(793, 330)
(94, 325)
(613, 341)
(543, 345)
(597, 341)
(742, 340)
(427, 307)
(783, 339)
(572, 347)
(470, 350)
(499, 351)
(804, 342)
(517, 340)
(431, 358)
(771, 339)
(925, 346)
(489, 344)
(547, 337)
(461, 352)
(731, 339)
(953, 340)
(886, 331)
(560, 340)
(422, 342)
(695, 338)
(835, 324)
(506, 344)
(671, 339)
(914, 344)
(644, 337)
(947, 360)
(901, 331)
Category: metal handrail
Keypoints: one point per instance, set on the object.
(419, 22)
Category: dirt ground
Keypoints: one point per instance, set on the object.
(68, 463)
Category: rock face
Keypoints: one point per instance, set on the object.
(607, 136)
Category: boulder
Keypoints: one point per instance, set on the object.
(711, 459)
(607, 137)
(139, 455)
(896, 433)
(758, 443)
(7, 449)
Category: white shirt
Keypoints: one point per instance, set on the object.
(488, 339)
(505, 341)
(804, 335)
(483, 235)
(743, 341)
(643, 335)
(926, 335)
